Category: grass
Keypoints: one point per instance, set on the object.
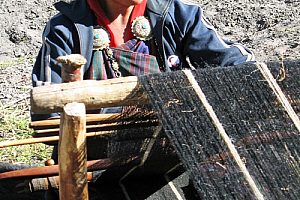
(15, 126)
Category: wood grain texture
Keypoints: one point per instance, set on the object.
(72, 156)
(72, 67)
(94, 94)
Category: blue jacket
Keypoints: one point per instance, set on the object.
(178, 28)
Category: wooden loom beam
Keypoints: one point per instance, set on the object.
(94, 94)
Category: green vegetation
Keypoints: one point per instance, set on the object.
(14, 125)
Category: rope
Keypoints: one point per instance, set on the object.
(278, 92)
(224, 135)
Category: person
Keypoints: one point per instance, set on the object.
(179, 33)
(131, 37)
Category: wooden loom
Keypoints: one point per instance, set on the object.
(96, 94)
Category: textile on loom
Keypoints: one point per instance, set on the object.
(257, 124)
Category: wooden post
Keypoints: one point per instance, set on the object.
(72, 156)
(72, 153)
(72, 67)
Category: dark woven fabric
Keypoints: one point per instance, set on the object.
(257, 124)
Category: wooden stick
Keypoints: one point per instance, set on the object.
(265, 71)
(47, 139)
(89, 118)
(5, 144)
(111, 126)
(94, 94)
(99, 127)
(96, 119)
(72, 67)
(72, 154)
(47, 171)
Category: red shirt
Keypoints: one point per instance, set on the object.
(102, 19)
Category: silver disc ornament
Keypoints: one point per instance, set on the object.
(101, 38)
(141, 28)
